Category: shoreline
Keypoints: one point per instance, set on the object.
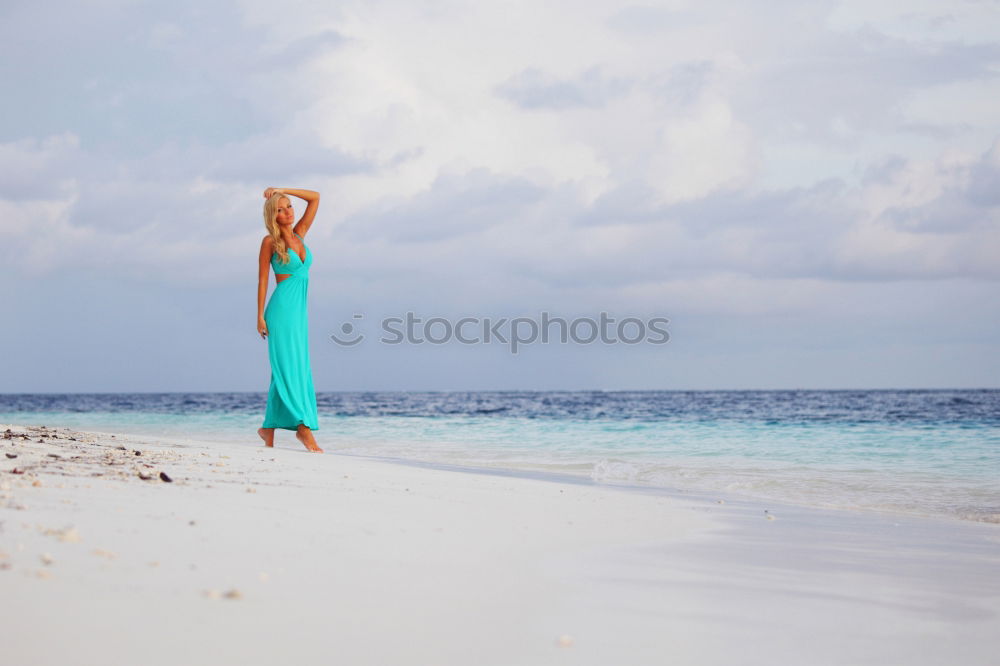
(258, 554)
(696, 494)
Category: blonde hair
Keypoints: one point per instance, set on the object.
(271, 224)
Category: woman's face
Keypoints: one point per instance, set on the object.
(286, 216)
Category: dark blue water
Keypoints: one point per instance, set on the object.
(974, 407)
(933, 452)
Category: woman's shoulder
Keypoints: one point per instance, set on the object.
(267, 243)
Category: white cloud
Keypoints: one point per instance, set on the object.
(534, 89)
(33, 168)
(606, 147)
(827, 168)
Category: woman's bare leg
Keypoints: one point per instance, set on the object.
(266, 434)
(305, 435)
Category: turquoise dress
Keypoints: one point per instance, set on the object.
(291, 399)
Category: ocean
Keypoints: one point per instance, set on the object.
(924, 452)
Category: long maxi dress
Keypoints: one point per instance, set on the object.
(291, 399)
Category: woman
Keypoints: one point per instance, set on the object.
(291, 400)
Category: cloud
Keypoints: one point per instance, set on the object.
(984, 179)
(796, 162)
(127, 77)
(646, 19)
(534, 89)
(34, 169)
(846, 84)
(684, 83)
(457, 204)
(638, 154)
(966, 202)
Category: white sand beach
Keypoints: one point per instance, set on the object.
(251, 555)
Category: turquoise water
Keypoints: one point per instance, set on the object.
(929, 453)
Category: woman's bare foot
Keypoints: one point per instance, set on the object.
(305, 435)
(266, 434)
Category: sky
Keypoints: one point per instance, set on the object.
(808, 191)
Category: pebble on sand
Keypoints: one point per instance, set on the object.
(69, 534)
(164, 477)
(229, 594)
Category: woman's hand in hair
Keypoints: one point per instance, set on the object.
(271, 191)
